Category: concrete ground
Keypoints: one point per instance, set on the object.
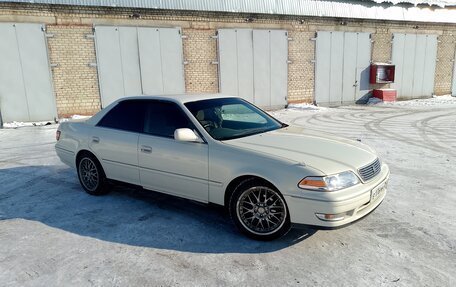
(54, 234)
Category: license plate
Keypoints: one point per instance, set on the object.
(376, 192)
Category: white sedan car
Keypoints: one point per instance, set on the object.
(224, 150)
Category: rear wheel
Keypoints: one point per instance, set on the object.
(259, 210)
(91, 175)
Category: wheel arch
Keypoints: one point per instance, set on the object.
(102, 185)
(85, 151)
(240, 179)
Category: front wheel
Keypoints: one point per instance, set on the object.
(259, 210)
(91, 175)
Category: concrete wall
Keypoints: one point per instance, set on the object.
(76, 83)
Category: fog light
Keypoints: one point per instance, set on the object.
(330, 217)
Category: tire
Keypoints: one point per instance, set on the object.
(259, 218)
(91, 175)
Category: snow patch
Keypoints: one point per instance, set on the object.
(78, 117)
(14, 124)
(306, 107)
(294, 110)
(434, 101)
(75, 118)
(441, 3)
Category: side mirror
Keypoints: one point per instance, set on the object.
(186, 135)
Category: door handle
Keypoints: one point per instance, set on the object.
(146, 149)
(95, 139)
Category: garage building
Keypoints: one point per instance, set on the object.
(59, 58)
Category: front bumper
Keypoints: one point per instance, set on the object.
(303, 210)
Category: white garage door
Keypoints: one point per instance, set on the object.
(26, 92)
(253, 65)
(415, 58)
(139, 60)
(342, 67)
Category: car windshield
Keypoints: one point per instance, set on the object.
(230, 118)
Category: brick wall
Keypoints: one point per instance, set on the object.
(76, 84)
(445, 63)
(381, 50)
(199, 51)
(301, 52)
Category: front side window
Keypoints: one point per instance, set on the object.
(127, 116)
(230, 118)
(163, 118)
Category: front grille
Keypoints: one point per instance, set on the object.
(371, 170)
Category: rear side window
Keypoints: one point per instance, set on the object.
(127, 116)
(163, 118)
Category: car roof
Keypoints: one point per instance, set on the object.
(182, 98)
(178, 98)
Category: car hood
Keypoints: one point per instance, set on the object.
(329, 154)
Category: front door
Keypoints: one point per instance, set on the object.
(167, 165)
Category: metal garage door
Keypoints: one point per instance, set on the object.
(342, 67)
(253, 65)
(26, 92)
(138, 60)
(415, 58)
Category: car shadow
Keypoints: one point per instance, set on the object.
(52, 195)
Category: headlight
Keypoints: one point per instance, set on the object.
(329, 183)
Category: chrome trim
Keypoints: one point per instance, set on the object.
(370, 171)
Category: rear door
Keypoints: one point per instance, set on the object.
(114, 140)
(167, 165)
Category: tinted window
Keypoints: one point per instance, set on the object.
(127, 116)
(163, 118)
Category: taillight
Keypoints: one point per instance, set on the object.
(57, 135)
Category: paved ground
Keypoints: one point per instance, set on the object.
(53, 234)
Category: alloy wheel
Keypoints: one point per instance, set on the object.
(261, 210)
(89, 174)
